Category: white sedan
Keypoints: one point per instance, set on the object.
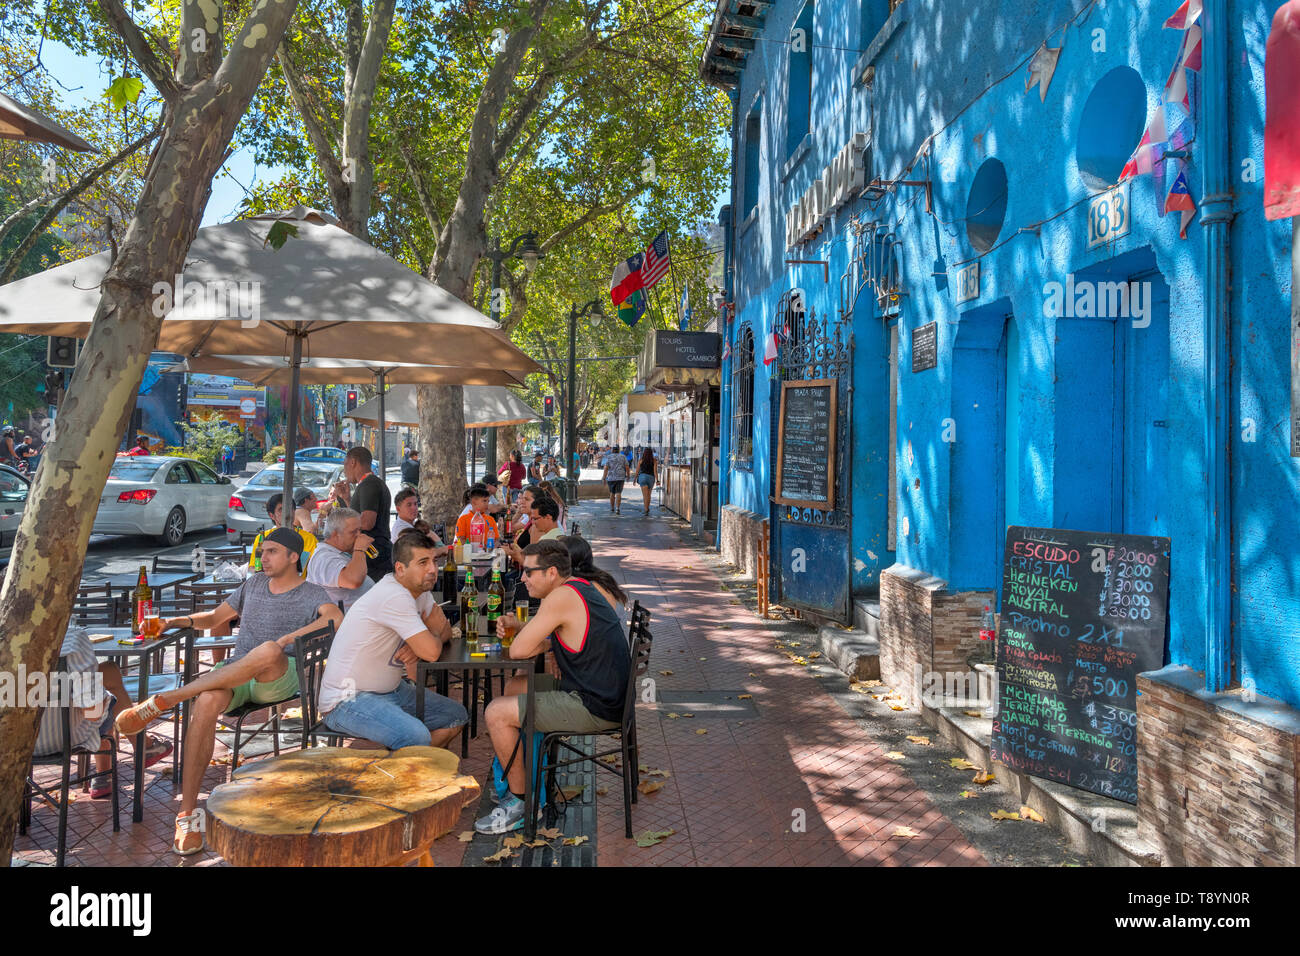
(153, 494)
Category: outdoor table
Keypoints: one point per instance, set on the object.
(456, 656)
(337, 806)
(125, 583)
(111, 649)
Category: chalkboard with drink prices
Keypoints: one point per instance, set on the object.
(1083, 613)
(805, 452)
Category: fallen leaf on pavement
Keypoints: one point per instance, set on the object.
(961, 763)
(611, 759)
(1004, 815)
(744, 697)
(1029, 813)
(917, 739)
(972, 713)
(688, 715)
(498, 856)
(549, 833)
(601, 791)
(967, 794)
(650, 786)
(704, 658)
(905, 832)
(983, 778)
(666, 673)
(465, 836)
(895, 755)
(651, 837)
(897, 707)
(575, 841)
(293, 713)
(701, 731)
(513, 842)
(672, 716)
(538, 844)
(813, 654)
(573, 792)
(860, 688)
(656, 772)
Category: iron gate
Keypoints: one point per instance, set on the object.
(810, 548)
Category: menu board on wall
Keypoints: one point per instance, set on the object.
(1083, 613)
(805, 463)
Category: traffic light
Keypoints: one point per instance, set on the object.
(352, 399)
(548, 406)
(61, 351)
(53, 383)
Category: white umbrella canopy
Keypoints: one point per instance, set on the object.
(18, 121)
(238, 295)
(485, 407)
(276, 370)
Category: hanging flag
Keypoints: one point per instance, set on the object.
(656, 261)
(1150, 147)
(1184, 16)
(1042, 68)
(632, 308)
(769, 352)
(1180, 199)
(684, 321)
(1281, 106)
(627, 279)
(726, 350)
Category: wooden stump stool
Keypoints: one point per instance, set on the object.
(333, 806)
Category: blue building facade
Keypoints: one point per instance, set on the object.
(1024, 341)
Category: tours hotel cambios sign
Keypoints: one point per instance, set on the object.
(839, 182)
(686, 349)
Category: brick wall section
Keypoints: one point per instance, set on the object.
(1215, 788)
(925, 628)
(738, 532)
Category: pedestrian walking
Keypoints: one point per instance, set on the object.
(614, 474)
(645, 476)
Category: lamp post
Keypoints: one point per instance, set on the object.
(526, 245)
(592, 308)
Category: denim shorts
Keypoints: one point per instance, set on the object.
(389, 719)
(645, 480)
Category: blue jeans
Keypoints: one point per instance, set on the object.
(389, 719)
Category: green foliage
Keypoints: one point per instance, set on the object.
(204, 438)
(273, 454)
(123, 91)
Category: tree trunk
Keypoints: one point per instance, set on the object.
(50, 548)
(442, 453)
(507, 438)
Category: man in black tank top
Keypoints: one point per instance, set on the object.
(594, 661)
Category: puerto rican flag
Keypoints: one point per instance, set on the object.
(1185, 15)
(656, 263)
(1180, 199)
(769, 353)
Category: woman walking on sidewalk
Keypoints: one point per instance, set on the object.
(646, 476)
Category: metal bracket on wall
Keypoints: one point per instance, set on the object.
(825, 264)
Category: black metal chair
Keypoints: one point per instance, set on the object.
(639, 638)
(96, 606)
(324, 636)
(68, 780)
(206, 597)
(310, 655)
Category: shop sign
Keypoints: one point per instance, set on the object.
(840, 181)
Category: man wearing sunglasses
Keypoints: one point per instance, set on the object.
(591, 651)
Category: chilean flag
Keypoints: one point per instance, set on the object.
(1180, 199)
(627, 279)
(769, 353)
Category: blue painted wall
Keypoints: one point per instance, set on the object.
(1084, 421)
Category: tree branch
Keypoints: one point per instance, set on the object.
(151, 65)
(422, 193)
(314, 119)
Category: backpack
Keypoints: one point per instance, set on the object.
(499, 783)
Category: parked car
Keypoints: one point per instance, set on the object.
(325, 453)
(161, 495)
(14, 487)
(246, 508)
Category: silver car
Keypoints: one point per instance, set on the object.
(246, 512)
(13, 497)
(161, 495)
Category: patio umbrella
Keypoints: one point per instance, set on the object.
(22, 122)
(266, 370)
(323, 293)
(485, 407)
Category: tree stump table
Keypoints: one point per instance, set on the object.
(333, 806)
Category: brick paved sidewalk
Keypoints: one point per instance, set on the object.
(769, 762)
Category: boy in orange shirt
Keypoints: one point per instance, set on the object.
(476, 524)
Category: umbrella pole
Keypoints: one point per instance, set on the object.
(383, 469)
(473, 455)
(291, 435)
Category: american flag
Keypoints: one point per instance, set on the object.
(656, 263)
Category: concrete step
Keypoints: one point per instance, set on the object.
(866, 616)
(854, 652)
(1102, 829)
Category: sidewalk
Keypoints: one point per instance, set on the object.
(768, 761)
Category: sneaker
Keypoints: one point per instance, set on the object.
(135, 719)
(101, 792)
(155, 749)
(506, 816)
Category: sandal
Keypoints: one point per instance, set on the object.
(189, 825)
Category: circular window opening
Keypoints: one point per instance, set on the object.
(986, 206)
(1111, 127)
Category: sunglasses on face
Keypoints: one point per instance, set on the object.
(526, 571)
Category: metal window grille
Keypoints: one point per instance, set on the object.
(742, 391)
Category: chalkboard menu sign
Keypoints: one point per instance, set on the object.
(925, 347)
(1083, 613)
(805, 456)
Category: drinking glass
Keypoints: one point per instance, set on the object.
(521, 612)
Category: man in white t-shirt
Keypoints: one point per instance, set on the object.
(368, 689)
(342, 553)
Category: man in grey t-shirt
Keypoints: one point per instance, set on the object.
(614, 476)
(274, 606)
(339, 562)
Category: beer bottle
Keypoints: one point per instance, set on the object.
(468, 598)
(449, 576)
(143, 600)
(496, 597)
